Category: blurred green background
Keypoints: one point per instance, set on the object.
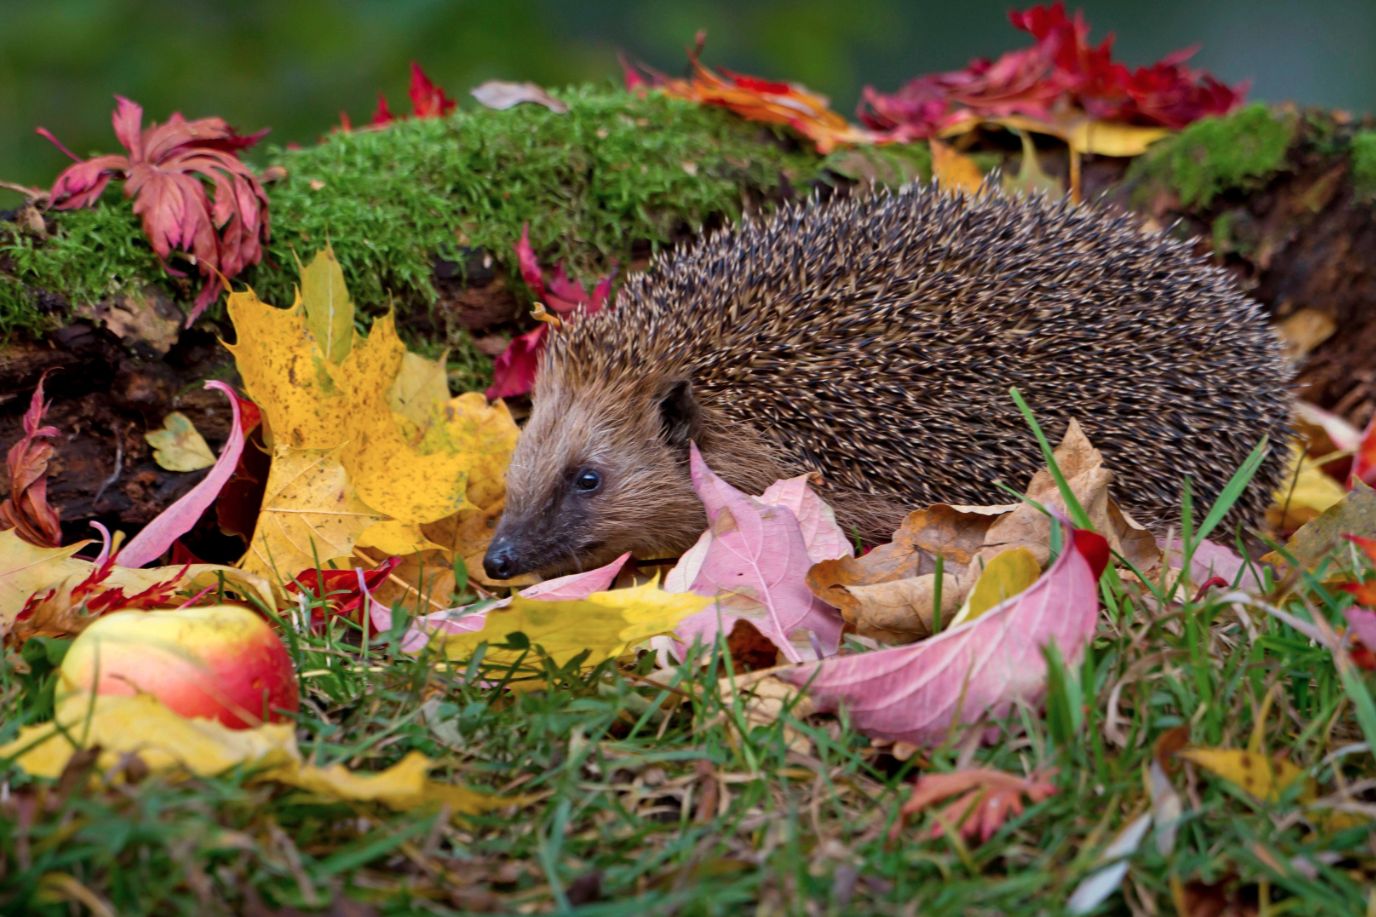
(293, 66)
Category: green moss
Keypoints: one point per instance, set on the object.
(1364, 164)
(612, 172)
(1217, 155)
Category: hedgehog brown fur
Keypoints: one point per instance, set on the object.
(874, 339)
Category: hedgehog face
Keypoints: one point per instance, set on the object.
(596, 475)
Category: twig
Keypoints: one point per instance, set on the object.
(33, 194)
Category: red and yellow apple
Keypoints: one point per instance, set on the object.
(221, 662)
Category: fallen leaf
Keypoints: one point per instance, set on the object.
(1261, 776)
(1007, 574)
(349, 472)
(753, 562)
(756, 99)
(146, 318)
(1362, 623)
(473, 618)
(168, 743)
(341, 592)
(889, 593)
(1315, 540)
(919, 694)
(954, 171)
(1062, 78)
(26, 510)
(1364, 461)
(178, 445)
(1098, 885)
(48, 592)
(1304, 330)
(603, 624)
(155, 538)
(500, 94)
(427, 99)
(1030, 179)
(1303, 494)
(984, 800)
(513, 373)
(188, 186)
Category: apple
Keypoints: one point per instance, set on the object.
(222, 662)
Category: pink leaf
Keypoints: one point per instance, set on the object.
(461, 620)
(500, 94)
(821, 532)
(178, 519)
(1211, 560)
(917, 693)
(1364, 461)
(754, 560)
(1363, 624)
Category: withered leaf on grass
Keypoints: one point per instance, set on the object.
(889, 593)
(169, 743)
(919, 694)
(1316, 540)
(984, 800)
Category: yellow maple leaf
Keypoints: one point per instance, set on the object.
(168, 743)
(26, 568)
(605, 623)
(285, 374)
(310, 515)
(367, 445)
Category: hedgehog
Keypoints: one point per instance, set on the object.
(874, 339)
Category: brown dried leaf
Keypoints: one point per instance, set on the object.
(888, 593)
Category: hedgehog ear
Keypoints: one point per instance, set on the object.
(678, 413)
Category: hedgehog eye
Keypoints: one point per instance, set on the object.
(587, 481)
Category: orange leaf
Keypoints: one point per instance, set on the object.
(984, 800)
(954, 171)
(756, 99)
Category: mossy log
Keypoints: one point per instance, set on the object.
(424, 215)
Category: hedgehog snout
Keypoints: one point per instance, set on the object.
(503, 560)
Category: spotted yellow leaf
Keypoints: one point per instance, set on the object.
(168, 743)
(605, 623)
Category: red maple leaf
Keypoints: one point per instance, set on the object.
(26, 509)
(188, 185)
(427, 101)
(1062, 70)
(339, 588)
(513, 373)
